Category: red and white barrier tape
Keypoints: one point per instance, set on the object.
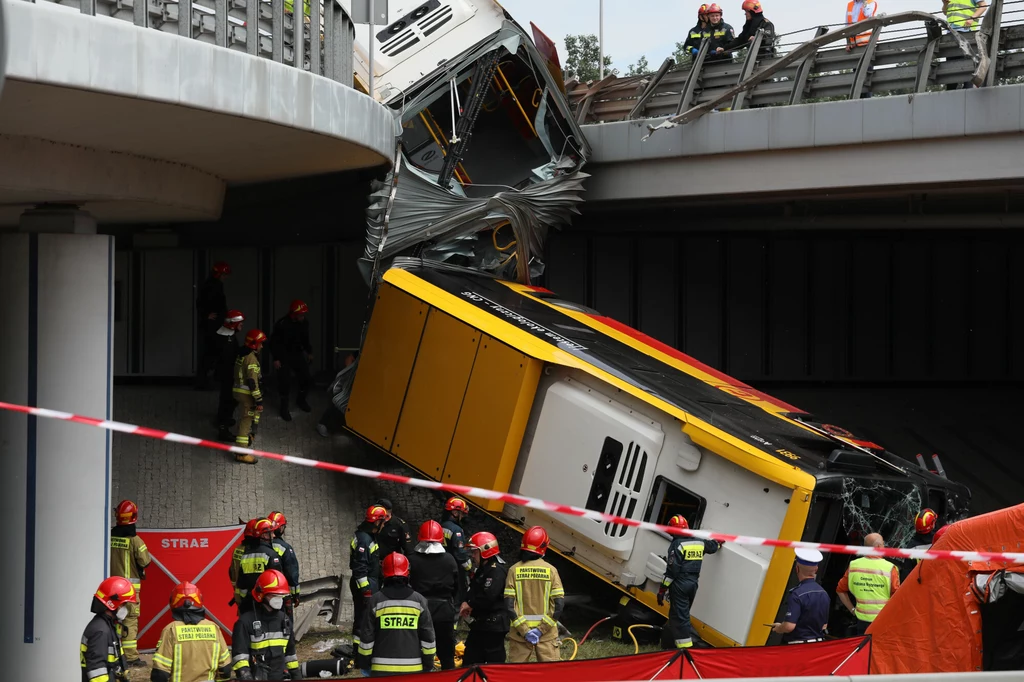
(531, 502)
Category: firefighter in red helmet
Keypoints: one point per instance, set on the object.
(756, 21)
(211, 308)
(262, 642)
(534, 597)
(100, 654)
(698, 33)
(129, 558)
(191, 646)
(229, 342)
(255, 555)
(486, 602)
(682, 571)
(364, 561)
(248, 391)
(721, 34)
(437, 577)
(396, 634)
(293, 353)
(455, 510)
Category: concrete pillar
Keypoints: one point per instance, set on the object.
(56, 322)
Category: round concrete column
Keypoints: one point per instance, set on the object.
(56, 316)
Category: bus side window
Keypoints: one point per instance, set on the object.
(669, 499)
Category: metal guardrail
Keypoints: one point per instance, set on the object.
(897, 60)
(329, 51)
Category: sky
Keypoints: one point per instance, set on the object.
(652, 27)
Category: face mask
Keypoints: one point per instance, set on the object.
(121, 613)
(276, 603)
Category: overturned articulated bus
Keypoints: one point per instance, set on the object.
(477, 381)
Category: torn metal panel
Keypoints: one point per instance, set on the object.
(491, 159)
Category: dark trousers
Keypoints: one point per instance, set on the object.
(296, 363)
(206, 352)
(444, 635)
(358, 604)
(484, 647)
(226, 403)
(860, 628)
(678, 632)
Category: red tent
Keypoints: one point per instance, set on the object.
(934, 621)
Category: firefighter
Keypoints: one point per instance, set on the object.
(262, 645)
(101, 654)
(229, 343)
(807, 604)
(364, 561)
(682, 571)
(756, 21)
(289, 343)
(255, 555)
(436, 576)
(534, 599)
(455, 510)
(129, 558)
(396, 634)
(248, 393)
(211, 308)
(394, 536)
(486, 603)
(872, 581)
(289, 561)
(721, 34)
(191, 647)
(924, 536)
(698, 33)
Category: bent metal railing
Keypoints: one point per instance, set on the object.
(328, 51)
(931, 58)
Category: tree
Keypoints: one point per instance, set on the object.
(640, 68)
(582, 56)
(681, 56)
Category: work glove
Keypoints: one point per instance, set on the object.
(661, 595)
(367, 593)
(533, 636)
(244, 673)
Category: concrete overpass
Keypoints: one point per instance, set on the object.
(142, 113)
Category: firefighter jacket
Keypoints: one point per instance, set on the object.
(211, 299)
(262, 642)
(487, 596)
(685, 557)
(455, 543)
(129, 555)
(436, 576)
(397, 634)
(250, 559)
(759, 22)
(289, 338)
(289, 563)
(719, 35)
(394, 537)
(248, 374)
(100, 654)
(694, 38)
(364, 559)
(534, 597)
(191, 649)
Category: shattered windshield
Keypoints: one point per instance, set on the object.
(880, 506)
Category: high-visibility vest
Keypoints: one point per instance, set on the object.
(959, 11)
(870, 584)
(866, 11)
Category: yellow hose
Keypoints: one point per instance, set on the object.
(575, 647)
(636, 644)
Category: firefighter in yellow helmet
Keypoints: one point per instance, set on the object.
(191, 646)
(129, 558)
(534, 598)
(248, 393)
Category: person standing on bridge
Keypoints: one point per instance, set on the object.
(964, 15)
(129, 558)
(856, 12)
(682, 572)
(698, 33)
(721, 34)
(756, 21)
(807, 604)
(293, 352)
(872, 581)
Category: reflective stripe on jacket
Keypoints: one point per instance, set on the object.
(247, 375)
(397, 633)
(854, 14)
(959, 11)
(191, 652)
(870, 585)
(534, 586)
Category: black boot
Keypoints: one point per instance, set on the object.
(300, 402)
(285, 414)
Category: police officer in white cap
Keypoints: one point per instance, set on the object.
(807, 604)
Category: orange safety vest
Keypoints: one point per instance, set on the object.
(867, 10)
